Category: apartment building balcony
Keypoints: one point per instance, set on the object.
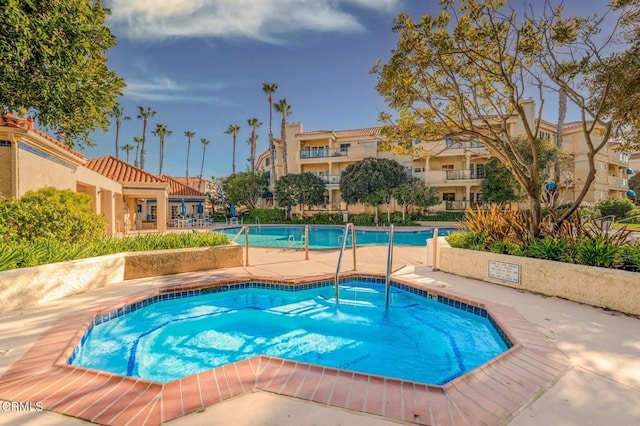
(462, 205)
(453, 176)
(330, 179)
(352, 153)
(322, 153)
(619, 157)
(618, 183)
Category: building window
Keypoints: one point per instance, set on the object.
(174, 212)
(267, 162)
(448, 196)
(153, 209)
(447, 167)
(479, 171)
(449, 142)
(344, 147)
(139, 208)
(417, 170)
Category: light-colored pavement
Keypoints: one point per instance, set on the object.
(601, 388)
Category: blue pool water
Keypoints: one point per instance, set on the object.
(416, 339)
(323, 237)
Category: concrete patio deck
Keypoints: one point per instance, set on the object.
(601, 385)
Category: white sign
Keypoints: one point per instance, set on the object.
(504, 271)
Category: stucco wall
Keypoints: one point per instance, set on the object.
(607, 288)
(26, 287)
(5, 171)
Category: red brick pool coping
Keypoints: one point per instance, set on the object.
(488, 395)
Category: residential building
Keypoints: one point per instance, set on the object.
(127, 197)
(454, 168)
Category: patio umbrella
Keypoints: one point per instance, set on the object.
(233, 210)
(183, 209)
(200, 208)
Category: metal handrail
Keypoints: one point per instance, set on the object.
(244, 229)
(344, 244)
(387, 281)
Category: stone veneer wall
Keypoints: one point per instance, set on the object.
(603, 287)
(22, 288)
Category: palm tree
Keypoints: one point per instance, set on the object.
(128, 147)
(189, 135)
(161, 131)
(204, 143)
(233, 130)
(254, 123)
(270, 89)
(138, 141)
(285, 109)
(117, 112)
(144, 114)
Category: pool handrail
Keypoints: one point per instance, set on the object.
(244, 229)
(344, 244)
(387, 279)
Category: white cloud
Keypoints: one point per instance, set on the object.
(253, 19)
(165, 89)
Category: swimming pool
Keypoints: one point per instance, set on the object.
(324, 237)
(178, 334)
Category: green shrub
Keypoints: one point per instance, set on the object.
(50, 214)
(549, 248)
(267, 215)
(630, 257)
(473, 240)
(507, 247)
(597, 252)
(439, 217)
(325, 219)
(616, 207)
(362, 219)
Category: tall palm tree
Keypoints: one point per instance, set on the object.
(138, 141)
(189, 135)
(270, 89)
(161, 131)
(233, 130)
(204, 143)
(117, 112)
(128, 147)
(285, 109)
(144, 114)
(254, 123)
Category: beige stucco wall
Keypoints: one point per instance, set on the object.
(5, 171)
(607, 288)
(26, 287)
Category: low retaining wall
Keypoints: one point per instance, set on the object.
(21, 288)
(603, 287)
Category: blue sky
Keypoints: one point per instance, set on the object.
(200, 65)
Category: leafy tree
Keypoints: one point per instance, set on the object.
(254, 123)
(127, 148)
(117, 112)
(54, 65)
(143, 114)
(467, 72)
(415, 192)
(189, 135)
(269, 89)
(499, 185)
(50, 214)
(372, 181)
(161, 132)
(283, 107)
(299, 189)
(204, 143)
(233, 130)
(245, 188)
(138, 141)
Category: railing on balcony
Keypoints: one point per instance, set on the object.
(322, 152)
(462, 205)
(459, 145)
(330, 179)
(619, 157)
(464, 174)
(617, 182)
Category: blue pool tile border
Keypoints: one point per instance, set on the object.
(275, 285)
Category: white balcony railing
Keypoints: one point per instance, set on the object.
(619, 157)
(617, 182)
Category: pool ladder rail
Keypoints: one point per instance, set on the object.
(342, 247)
(387, 280)
(244, 229)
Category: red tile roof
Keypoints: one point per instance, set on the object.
(178, 188)
(367, 131)
(120, 171)
(11, 120)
